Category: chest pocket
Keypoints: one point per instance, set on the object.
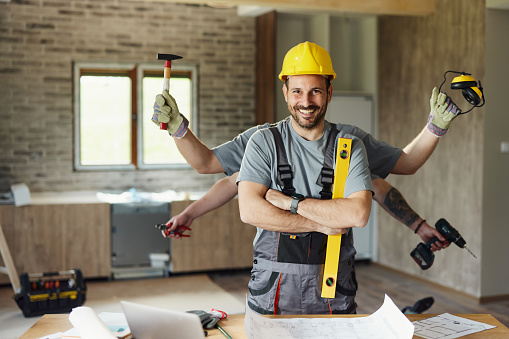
(302, 248)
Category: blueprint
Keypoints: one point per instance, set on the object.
(447, 326)
(386, 323)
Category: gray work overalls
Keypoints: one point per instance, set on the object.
(288, 267)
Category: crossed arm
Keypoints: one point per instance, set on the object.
(270, 210)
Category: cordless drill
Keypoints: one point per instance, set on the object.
(423, 255)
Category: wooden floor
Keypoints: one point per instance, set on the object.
(375, 281)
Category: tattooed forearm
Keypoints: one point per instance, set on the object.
(398, 206)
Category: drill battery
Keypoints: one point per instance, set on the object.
(51, 292)
(423, 256)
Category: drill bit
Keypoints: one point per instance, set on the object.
(469, 251)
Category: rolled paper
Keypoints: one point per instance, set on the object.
(88, 324)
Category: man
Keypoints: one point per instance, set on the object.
(289, 248)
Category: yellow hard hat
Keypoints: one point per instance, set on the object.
(307, 58)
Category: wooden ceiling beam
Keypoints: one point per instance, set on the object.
(377, 7)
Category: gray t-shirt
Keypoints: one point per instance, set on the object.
(381, 156)
(306, 158)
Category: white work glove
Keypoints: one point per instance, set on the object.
(167, 111)
(443, 111)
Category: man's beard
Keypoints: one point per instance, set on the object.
(308, 123)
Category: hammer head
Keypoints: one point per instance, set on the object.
(168, 57)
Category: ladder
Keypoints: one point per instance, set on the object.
(9, 268)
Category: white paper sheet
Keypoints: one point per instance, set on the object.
(448, 326)
(387, 322)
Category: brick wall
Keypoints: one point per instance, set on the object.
(39, 40)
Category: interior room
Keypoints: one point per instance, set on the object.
(75, 189)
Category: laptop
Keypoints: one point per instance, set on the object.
(148, 322)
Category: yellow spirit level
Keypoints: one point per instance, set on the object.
(330, 273)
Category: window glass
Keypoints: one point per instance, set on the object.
(158, 148)
(105, 126)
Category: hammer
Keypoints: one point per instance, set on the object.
(167, 71)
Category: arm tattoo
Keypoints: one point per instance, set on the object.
(397, 205)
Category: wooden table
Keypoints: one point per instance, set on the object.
(234, 325)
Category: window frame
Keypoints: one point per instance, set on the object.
(136, 72)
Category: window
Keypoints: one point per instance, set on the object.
(113, 110)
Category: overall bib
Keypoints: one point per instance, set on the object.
(288, 267)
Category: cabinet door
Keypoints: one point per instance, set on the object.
(219, 240)
(33, 236)
(37, 238)
(49, 238)
(86, 238)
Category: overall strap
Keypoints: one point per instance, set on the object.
(326, 177)
(284, 170)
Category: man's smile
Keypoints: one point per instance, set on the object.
(307, 112)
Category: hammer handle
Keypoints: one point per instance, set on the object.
(166, 87)
(167, 73)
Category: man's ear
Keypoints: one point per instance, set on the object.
(285, 92)
(329, 94)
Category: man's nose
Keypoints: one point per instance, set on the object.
(307, 100)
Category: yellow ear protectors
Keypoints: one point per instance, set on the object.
(471, 91)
